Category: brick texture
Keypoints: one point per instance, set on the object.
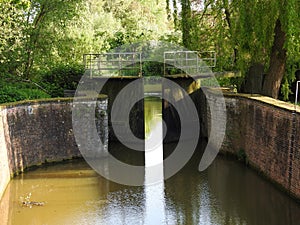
(39, 132)
(267, 133)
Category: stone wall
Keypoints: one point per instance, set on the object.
(266, 132)
(35, 132)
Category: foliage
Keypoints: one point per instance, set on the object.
(62, 77)
(230, 82)
(38, 35)
(48, 41)
(256, 26)
(12, 34)
(13, 89)
(242, 156)
(42, 40)
(205, 28)
(292, 18)
(153, 68)
(242, 33)
(13, 94)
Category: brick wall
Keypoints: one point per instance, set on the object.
(32, 133)
(268, 132)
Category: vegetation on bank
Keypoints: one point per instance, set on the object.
(42, 41)
(50, 84)
(16, 89)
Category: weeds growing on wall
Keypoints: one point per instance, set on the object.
(242, 156)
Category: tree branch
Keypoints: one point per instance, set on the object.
(204, 10)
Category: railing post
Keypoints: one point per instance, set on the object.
(91, 75)
(120, 64)
(297, 92)
(141, 66)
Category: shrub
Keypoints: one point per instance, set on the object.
(62, 77)
(230, 81)
(16, 92)
(152, 68)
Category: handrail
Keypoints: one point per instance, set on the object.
(297, 92)
(130, 63)
(189, 62)
(113, 64)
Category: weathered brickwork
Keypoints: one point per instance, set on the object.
(267, 133)
(40, 133)
(32, 133)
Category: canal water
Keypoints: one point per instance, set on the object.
(72, 193)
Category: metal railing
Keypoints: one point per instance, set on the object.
(297, 92)
(188, 62)
(113, 64)
(130, 63)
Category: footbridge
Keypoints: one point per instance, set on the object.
(131, 64)
(117, 70)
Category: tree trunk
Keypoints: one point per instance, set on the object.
(278, 58)
(227, 17)
(186, 23)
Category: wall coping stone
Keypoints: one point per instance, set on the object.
(260, 98)
(46, 100)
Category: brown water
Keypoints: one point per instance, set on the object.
(226, 193)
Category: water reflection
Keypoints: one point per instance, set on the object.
(227, 193)
(153, 107)
(253, 199)
(154, 171)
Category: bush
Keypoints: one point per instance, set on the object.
(62, 77)
(13, 92)
(153, 68)
(230, 81)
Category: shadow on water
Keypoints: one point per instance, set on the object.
(227, 193)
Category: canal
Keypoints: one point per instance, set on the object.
(72, 193)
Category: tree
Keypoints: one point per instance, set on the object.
(47, 23)
(278, 58)
(38, 35)
(30, 30)
(207, 25)
(12, 34)
(186, 23)
(267, 34)
(250, 33)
